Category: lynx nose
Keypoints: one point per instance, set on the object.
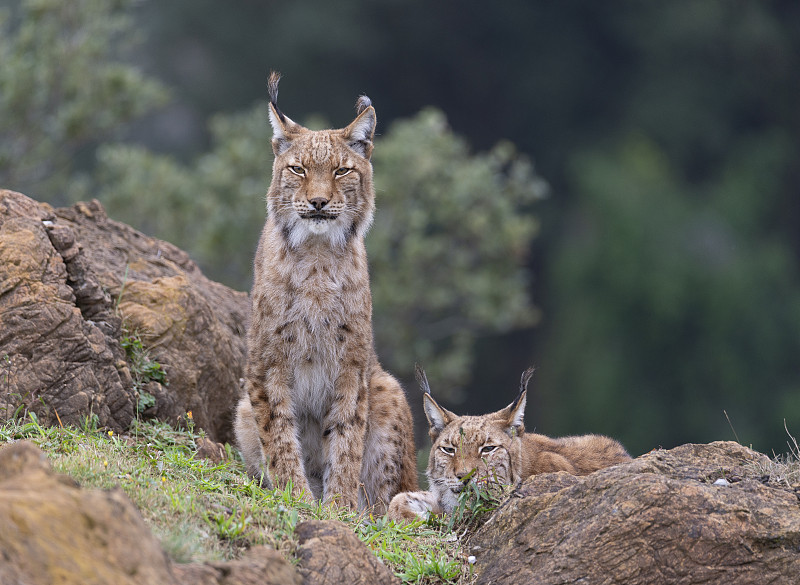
(318, 203)
(462, 474)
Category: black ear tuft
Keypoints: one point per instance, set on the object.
(422, 379)
(362, 104)
(525, 378)
(523, 385)
(272, 87)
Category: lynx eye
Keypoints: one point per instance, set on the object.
(341, 171)
(297, 170)
(486, 449)
(447, 450)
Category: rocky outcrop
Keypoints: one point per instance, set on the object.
(329, 554)
(693, 514)
(261, 565)
(72, 283)
(54, 359)
(54, 532)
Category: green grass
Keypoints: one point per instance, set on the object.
(202, 511)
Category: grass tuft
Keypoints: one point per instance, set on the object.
(781, 469)
(476, 502)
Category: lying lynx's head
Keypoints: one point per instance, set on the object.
(473, 448)
(321, 180)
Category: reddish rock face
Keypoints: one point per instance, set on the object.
(55, 359)
(69, 279)
(659, 519)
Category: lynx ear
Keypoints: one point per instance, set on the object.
(513, 415)
(282, 126)
(438, 417)
(361, 131)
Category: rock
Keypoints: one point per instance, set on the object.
(331, 554)
(58, 352)
(260, 566)
(657, 519)
(70, 279)
(54, 532)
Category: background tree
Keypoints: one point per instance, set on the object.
(64, 87)
(448, 248)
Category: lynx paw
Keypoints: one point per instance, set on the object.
(412, 505)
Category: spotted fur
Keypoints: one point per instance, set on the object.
(319, 410)
(495, 448)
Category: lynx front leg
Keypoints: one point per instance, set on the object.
(345, 428)
(270, 399)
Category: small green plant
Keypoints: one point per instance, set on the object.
(146, 400)
(90, 423)
(431, 565)
(230, 526)
(476, 502)
(143, 369)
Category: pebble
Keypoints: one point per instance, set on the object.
(722, 481)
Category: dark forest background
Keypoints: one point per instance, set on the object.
(609, 191)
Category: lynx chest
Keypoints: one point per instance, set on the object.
(323, 312)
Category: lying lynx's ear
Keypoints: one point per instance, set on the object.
(282, 126)
(438, 417)
(361, 131)
(513, 415)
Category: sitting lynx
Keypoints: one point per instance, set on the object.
(319, 411)
(494, 447)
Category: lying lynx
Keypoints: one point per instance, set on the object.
(319, 411)
(494, 447)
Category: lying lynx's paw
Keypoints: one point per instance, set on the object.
(412, 505)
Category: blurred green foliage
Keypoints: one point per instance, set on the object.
(63, 87)
(694, 314)
(448, 248)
